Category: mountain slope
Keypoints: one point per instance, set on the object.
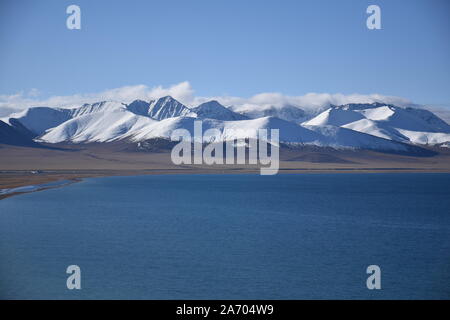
(139, 107)
(9, 135)
(97, 127)
(337, 137)
(214, 110)
(289, 132)
(103, 106)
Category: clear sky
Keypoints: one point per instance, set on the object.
(234, 47)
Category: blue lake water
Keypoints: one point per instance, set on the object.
(307, 236)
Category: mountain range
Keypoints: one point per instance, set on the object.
(374, 126)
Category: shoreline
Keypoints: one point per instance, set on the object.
(10, 192)
(45, 180)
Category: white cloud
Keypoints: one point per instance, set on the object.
(21, 100)
(34, 92)
(185, 94)
(5, 111)
(309, 101)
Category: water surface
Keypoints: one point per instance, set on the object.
(308, 236)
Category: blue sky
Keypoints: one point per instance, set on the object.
(230, 47)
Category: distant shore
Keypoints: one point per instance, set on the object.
(28, 166)
(17, 180)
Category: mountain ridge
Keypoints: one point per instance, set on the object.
(373, 126)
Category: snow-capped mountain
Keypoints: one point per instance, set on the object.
(163, 108)
(214, 110)
(39, 119)
(407, 125)
(358, 126)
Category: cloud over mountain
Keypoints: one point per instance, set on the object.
(184, 93)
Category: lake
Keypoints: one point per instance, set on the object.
(296, 236)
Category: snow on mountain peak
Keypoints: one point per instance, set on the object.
(167, 107)
(214, 110)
